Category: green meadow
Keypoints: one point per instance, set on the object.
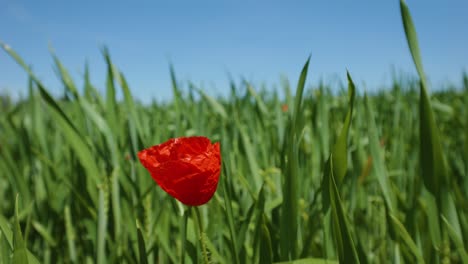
(316, 174)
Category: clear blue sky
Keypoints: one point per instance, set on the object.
(206, 39)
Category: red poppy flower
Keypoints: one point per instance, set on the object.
(187, 168)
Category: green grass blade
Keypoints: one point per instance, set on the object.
(406, 238)
(230, 218)
(6, 231)
(102, 224)
(66, 78)
(20, 253)
(42, 230)
(340, 149)
(261, 105)
(457, 240)
(289, 208)
(432, 159)
(133, 118)
(339, 152)
(70, 233)
(412, 40)
(347, 252)
(141, 246)
(215, 105)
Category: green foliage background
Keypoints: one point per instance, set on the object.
(349, 177)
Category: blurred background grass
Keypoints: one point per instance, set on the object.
(310, 175)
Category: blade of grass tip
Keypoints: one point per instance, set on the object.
(289, 209)
(141, 246)
(111, 104)
(412, 40)
(432, 159)
(340, 149)
(134, 120)
(175, 86)
(20, 254)
(339, 152)
(177, 100)
(65, 77)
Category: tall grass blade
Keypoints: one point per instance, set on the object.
(20, 253)
(289, 208)
(432, 159)
(344, 241)
(141, 246)
(339, 153)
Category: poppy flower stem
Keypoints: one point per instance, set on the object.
(201, 234)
